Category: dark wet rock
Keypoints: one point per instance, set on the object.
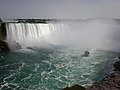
(0, 20)
(3, 33)
(117, 65)
(3, 30)
(29, 48)
(3, 46)
(75, 87)
(110, 82)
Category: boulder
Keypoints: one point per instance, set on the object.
(117, 66)
(75, 87)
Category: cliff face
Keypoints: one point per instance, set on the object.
(3, 45)
(1, 38)
(2, 31)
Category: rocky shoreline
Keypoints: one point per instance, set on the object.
(110, 82)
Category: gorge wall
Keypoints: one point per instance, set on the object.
(3, 44)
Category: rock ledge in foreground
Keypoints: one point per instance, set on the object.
(75, 87)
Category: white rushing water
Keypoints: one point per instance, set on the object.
(27, 34)
(103, 34)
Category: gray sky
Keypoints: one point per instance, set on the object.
(75, 9)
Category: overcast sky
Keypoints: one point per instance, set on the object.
(75, 9)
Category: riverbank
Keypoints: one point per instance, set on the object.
(110, 82)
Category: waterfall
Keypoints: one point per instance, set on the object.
(31, 34)
(103, 34)
(20, 31)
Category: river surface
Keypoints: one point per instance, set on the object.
(53, 68)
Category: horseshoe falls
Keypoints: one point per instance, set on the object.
(51, 56)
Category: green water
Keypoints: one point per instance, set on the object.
(52, 69)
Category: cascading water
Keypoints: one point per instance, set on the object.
(41, 67)
(30, 34)
(85, 34)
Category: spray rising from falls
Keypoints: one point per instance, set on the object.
(103, 34)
